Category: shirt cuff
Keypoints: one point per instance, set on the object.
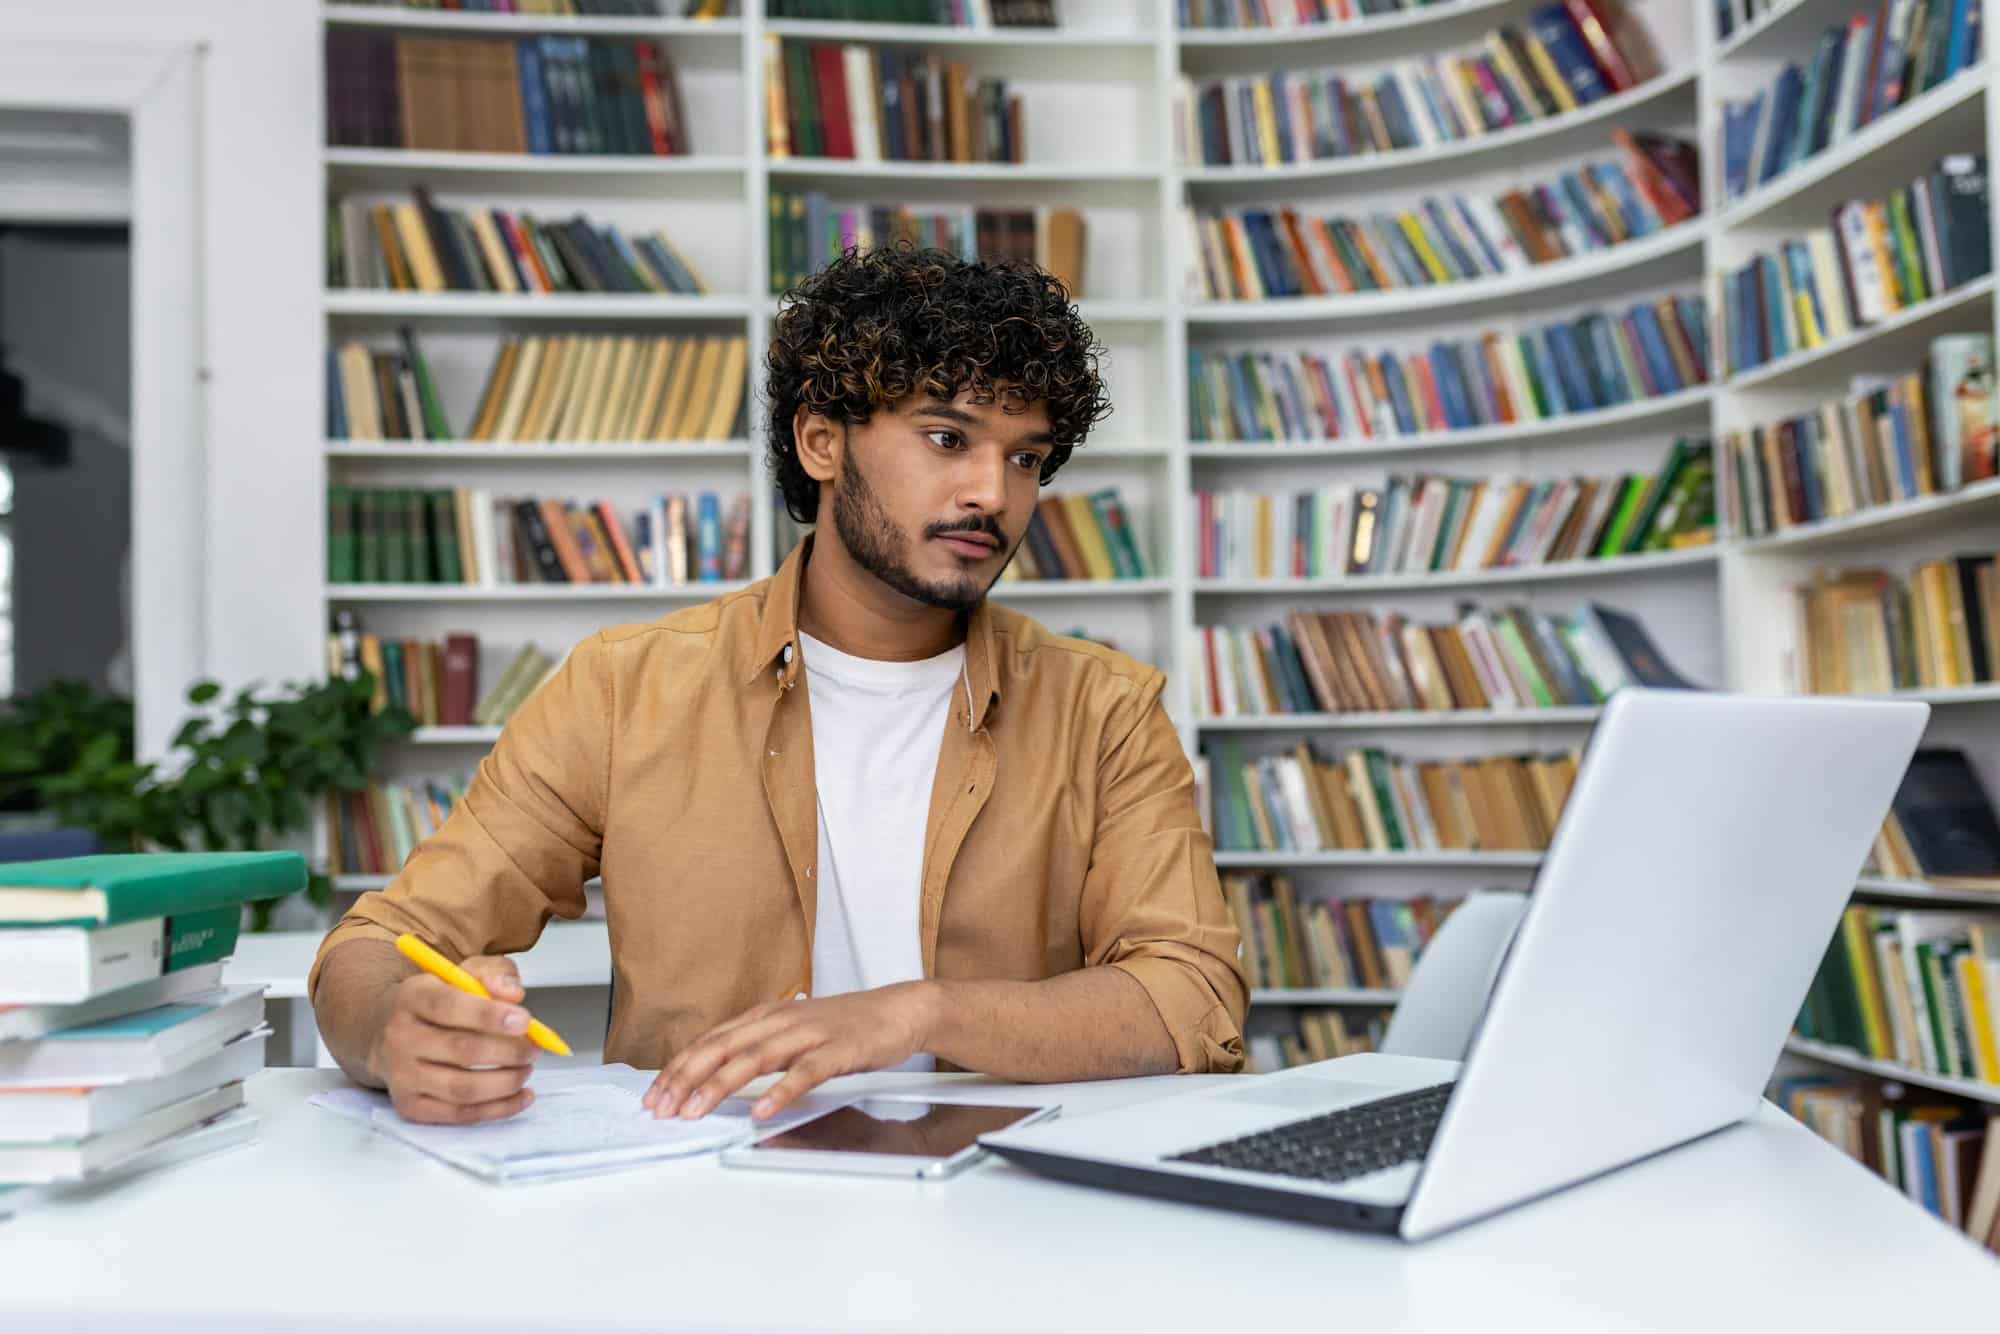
(1206, 1040)
(343, 931)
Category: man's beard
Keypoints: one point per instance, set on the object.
(882, 548)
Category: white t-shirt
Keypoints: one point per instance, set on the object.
(877, 728)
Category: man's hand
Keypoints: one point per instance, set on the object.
(811, 1041)
(451, 1058)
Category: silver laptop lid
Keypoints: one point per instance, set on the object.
(1697, 873)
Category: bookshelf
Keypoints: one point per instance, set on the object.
(1721, 612)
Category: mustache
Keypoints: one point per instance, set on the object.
(972, 524)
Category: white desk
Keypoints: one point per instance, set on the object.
(324, 1225)
(570, 957)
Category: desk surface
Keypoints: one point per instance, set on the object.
(569, 954)
(324, 1224)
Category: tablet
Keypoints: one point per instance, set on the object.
(886, 1136)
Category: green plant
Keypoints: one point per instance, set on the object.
(239, 774)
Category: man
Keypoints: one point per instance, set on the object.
(853, 817)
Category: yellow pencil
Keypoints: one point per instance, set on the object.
(428, 959)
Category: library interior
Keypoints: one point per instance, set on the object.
(1428, 572)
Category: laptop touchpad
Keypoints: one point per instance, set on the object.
(1307, 1094)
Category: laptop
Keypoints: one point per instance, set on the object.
(1697, 873)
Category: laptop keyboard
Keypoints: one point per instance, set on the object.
(1338, 1146)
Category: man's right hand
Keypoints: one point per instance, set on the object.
(450, 1058)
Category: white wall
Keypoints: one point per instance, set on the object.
(261, 104)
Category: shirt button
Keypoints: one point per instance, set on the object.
(788, 654)
(800, 996)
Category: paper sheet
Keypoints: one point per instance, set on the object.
(584, 1120)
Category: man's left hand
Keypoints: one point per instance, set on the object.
(811, 1041)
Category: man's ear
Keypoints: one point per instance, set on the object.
(819, 440)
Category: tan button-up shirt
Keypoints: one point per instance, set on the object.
(675, 759)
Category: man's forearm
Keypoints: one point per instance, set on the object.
(356, 996)
(1095, 1023)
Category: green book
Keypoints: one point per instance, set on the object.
(340, 564)
(1621, 519)
(1535, 387)
(1385, 799)
(436, 426)
(392, 673)
(1656, 496)
(444, 538)
(1508, 636)
(801, 98)
(1125, 555)
(1909, 255)
(780, 243)
(367, 535)
(110, 887)
(392, 531)
(201, 935)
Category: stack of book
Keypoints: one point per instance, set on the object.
(467, 536)
(374, 831)
(1427, 524)
(878, 104)
(1944, 1155)
(550, 387)
(420, 247)
(1921, 434)
(1883, 58)
(948, 13)
(1319, 1035)
(494, 95)
(1078, 536)
(808, 231)
(1866, 631)
(1240, 14)
(1567, 57)
(1361, 662)
(1940, 829)
(437, 684)
(1918, 988)
(1588, 363)
(1255, 254)
(120, 1049)
(1370, 801)
(1879, 257)
(1328, 943)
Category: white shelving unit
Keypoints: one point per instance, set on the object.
(1720, 613)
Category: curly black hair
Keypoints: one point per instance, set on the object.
(876, 326)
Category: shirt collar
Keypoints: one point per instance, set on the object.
(778, 637)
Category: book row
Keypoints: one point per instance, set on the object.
(1285, 13)
(1917, 988)
(946, 13)
(470, 537)
(1431, 524)
(551, 387)
(1880, 60)
(374, 831)
(1371, 801)
(1924, 433)
(1588, 363)
(1328, 943)
(1255, 254)
(874, 104)
(808, 231)
(1868, 631)
(1878, 257)
(582, 95)
(1318, 1035)
(420, 247)
(1079, 536)
(1945, 1156)
(1941, 829)
(436, 682)
(1565, 58)
(1368, 662)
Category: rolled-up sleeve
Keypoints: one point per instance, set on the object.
(1151, 902)
(519, 845)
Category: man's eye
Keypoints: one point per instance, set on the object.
(944, 439)
(1029, 461)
